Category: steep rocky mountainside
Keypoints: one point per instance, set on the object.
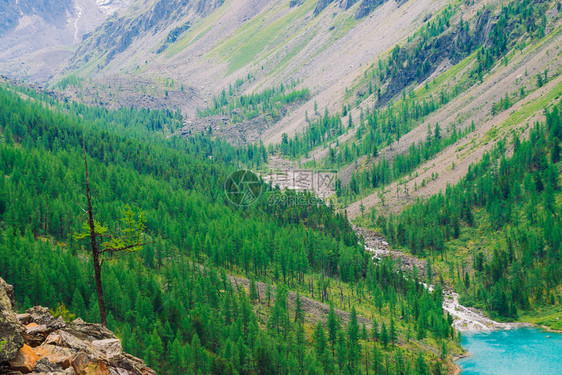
(51, 11)
(148, 18)
(38, 36)
(38, 343)
(158, 57)
(364, 9)
(430, 61)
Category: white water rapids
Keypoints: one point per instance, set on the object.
(465, 318)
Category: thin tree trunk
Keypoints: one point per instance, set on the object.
(95, 250)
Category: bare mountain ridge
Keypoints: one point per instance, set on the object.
(123, 30)
(164, 12)
(53, 12)
(38, 36)
(272, 42)
(364, 9)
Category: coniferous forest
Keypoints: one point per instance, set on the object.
(175, 303)
(522, 267)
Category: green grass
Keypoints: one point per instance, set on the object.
(264, 30)
(342, 24)
(452, 73)
(310, 34)
(534, 106)
(549, 316)
(197, 31)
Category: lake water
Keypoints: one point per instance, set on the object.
(522, 351)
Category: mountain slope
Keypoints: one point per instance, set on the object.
(37, 37)
(271, 42)
(499, 227)
(475, 106)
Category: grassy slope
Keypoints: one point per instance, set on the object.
(470, 149)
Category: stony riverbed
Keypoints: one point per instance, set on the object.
(465, 318)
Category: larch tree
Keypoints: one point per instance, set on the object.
(129, 238)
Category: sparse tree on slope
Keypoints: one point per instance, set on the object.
(129, 239)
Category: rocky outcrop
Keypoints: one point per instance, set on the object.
(117, 34)
(11, 339)
(38, 343)
(54, 12)
(367, 6)
(343, 4)
(346, 4)
(321, 5)
(9, 15)
(417, 61)
(173, 36)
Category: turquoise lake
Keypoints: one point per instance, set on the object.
(525, 351)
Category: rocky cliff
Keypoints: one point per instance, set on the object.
(126, 29)
(38, 36)
(364, 9)
(54, 12)
(322, 4)
(38, 343)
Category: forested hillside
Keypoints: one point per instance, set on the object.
(496, 236)
(439, 120)
(174, 304)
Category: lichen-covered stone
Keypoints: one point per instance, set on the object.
(11, 339)
(48, 345)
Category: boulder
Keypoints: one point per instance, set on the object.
(54, 339)
(89, 331)
(34, 328)
(44, 365)
(38, 343)
(24, 318)
(58, 355)
(83, 364)
(25, 360)
(42, 316)
(68, 371)
(11, 339)
(133, 365)
(35, 334)
(69, 340)
(110, 348)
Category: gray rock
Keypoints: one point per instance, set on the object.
(89, 331)
(44, 365)
(37, 329)
(11, 339)
(111, 348)
(321, 5)
(53, 347)
(24, 318)
(42, 316)
(367, 6)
